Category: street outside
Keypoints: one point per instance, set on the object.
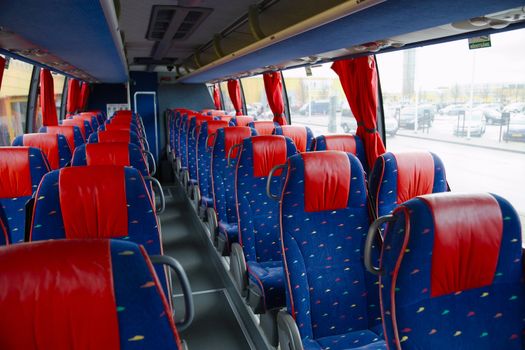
(478, 164)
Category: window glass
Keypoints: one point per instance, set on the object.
(58, 86)
(255, 97)
(13, 100)
(228, 105)
(317, 100)
(467, 106)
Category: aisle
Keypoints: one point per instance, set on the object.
(221, 319)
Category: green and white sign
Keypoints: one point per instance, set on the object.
(479, 42)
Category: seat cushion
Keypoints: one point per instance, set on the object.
(357, 340)
(229, 232)
(269, 277)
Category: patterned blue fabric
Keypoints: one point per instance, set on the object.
(183, 141)
(223, 185)
(13, 210)
(258, 216)
(491, 317)
(77, 135)
(142, 222)
(142, 313)
(383, 182)
(309, 136)
(319, 144)
(64, 152)
(136, 158)
(133, 138)
(328, 286)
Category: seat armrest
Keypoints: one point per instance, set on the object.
(289, 337)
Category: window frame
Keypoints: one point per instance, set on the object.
(34, 89)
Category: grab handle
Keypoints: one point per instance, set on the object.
(269, 181)
(161, 194)
(149, 155)
(231, 151)
(373, 232)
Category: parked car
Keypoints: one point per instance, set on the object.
(491, 115)
(453, 109)
(516, 130)
(349, 123)
(477, 124)
(316, 107)
(517, 107)
(391, 124)
(425, 117)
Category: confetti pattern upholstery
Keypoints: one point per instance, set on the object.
(487, 317)
(258, 217)
(135, 312)
(346, 143)
(12, 204)
(142, 226)
(223, 182)
(302, 136)
(385, 179)
(55, 147)
(327, 284)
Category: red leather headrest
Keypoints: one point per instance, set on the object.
(47, 143)
(268, 151)
(213, 126)
(123, 112)
(76, 122)
(58, 295)
(117, 126)
(233, 136)
(345, 143)
(226, 118)
(93, 201)
(243, 120)
(67, 130)
(298, 134)
(15, 172)
(114, 136)
(109, 153)
(264, 127)
(123, 119)
(82, 116)
(326, 180)
(415, 174)
(467, 239)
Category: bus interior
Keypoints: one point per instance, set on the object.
(262, 174)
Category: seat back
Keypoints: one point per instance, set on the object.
(264, 127)
(302, 136)
(55, 147)
(21, 169)
(344, 142)
(258, 215)
(117, 126)
(101, 118)
(92, 119)
(183, 140)
(398, 177)
(82, 294)
(112, 153)
(241, 120)
(193, 132)
(205, 142)
(324, 222)
(223, 176)
(115, 136)
(84, 125)
(72, 134)
(453, 274)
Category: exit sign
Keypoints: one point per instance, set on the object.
(479, 42)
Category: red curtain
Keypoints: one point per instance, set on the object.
(2, 66)
(358, 77)
(84, 95)
(274, 93)
(217, 97)
(73, 96)
(47, 99)
(234, 90)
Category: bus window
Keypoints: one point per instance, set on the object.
(467, 106)
(13, 100)
(228, 106)
(317, 100)
(255, 97)
(58, 88)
